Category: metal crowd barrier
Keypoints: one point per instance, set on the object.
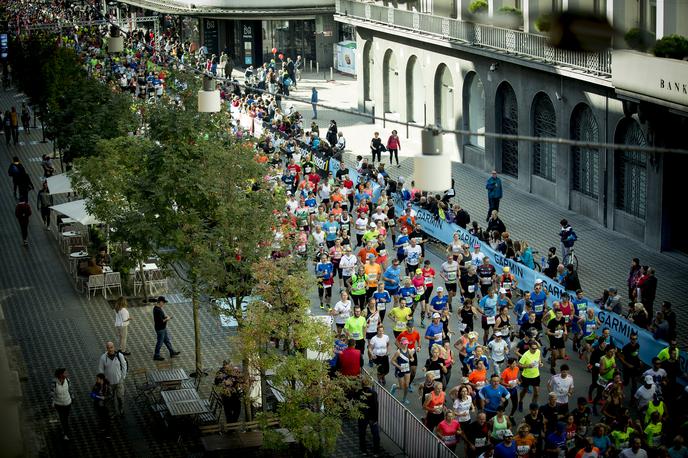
(405, 429)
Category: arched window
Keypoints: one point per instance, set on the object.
(507, 123)
(444, 98)
(367, 65)
(630, 170)
(414, 91)
(474, 107)
(390, 82)
(586, 160)
(544, 125)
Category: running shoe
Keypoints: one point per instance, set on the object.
(393, 389)
(410, 389)
(407, 402)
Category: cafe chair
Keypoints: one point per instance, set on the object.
(212, 416)
(96, 283)
(113, 280)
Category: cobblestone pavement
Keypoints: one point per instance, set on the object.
(52, 325)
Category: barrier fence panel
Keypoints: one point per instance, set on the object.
(405, 429)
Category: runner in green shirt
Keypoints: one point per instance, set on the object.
(357, 285)
(355, 329)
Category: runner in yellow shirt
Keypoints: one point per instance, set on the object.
(530, 364)
(400, 314)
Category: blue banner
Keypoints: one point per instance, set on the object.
(620, 327)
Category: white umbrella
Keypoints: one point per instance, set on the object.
(59, 184)
(76, 210)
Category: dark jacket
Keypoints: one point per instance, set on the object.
(496, 225)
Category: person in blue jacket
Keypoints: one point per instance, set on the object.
(494, 193)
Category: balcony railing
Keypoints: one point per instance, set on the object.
(499, 39)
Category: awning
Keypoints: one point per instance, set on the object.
(76, 210)
(59, 184)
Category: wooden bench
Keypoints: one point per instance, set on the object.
(248, 425)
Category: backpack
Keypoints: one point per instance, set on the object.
(572, 237)
(123, 362)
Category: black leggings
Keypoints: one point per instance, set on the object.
(377, 153)
(393, 153)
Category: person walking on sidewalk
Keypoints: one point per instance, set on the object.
(14, 124)
(61, 399)
(23, 212)
(122, 320)
(494, 193)
(393, 146)
(44, 201)
(161, 320)
(314, 102)
(7, 127)
(114, 365)
(376, 147)
(16, 170)
(100, 393)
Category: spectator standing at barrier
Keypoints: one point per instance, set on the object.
(376, 147)
(633, 276)
(494, 192)
(670, 317)
(369, 417)
(393, 146)
(647, 289)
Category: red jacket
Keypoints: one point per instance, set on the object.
(393, 142)
(350, 362)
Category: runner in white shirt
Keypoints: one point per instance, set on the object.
(348, 264)
(477, 255)
(341, 311)
(414, 256)
(499, 350)
(562, 385)
(378, 353)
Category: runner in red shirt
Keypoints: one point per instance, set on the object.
(350, 360)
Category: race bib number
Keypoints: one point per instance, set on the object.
(326, 285)
(589, 328)
(428, 280)
(438, 337)
(371, 277)
(451, 276)
(513, 383)
(404, 367)
(471, 288)
(480, 442)
(558, 333)
(383, 252)
(485, 281)
(462, 327)
(522, 450)
(420, 290)
(506, 285)
(356, 335)
(332, 230)
(381, 306)
(539, 308)
(435, 374)
(401, 324)
(391, 222)
(360, 285)
(490, 320)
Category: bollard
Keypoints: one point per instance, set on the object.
(317, 67)
(331, 74)
(311, 66)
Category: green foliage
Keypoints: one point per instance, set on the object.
(510, 11)
(478, 7)
(639, 39)
(673, 47)
(544, 22)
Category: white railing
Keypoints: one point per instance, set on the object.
(499, 39)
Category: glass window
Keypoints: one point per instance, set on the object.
(476, 110)
(630, 171)
(544, 125)
(586, 160)
(508, 124)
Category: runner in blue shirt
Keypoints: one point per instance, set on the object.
(408, 292)
(539, 299)
(488, 307)
(434, 333)
(391, 277)
(493, 396)
(401, 244)
(331, 227)
(382, 298)
(440, 301)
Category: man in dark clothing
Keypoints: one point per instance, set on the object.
(461, 216)
(369, 417)
(24, 185)
(161, 319)
(648, 290)
(43, 202)
(16, 170)
(478, 436)
(23, 212)
(571, 281)
(630, 360)
(670, 317)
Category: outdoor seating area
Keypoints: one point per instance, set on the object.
(81, 238)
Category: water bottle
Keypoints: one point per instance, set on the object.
(542, 262)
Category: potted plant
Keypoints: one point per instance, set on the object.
(508, 16)
(639, 39)
(543, 23)
(478, 7)
(673, 47)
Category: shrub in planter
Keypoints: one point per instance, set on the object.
(478, 7)
(639, 39)
(673, 46)
(510, 11)
(543, 23)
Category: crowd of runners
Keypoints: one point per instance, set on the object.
(468, 345)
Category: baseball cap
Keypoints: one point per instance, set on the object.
(162, 299)
(435, 315)
(419, 271)
(505, 269)
(371, 256)
(404, 340)
(440, 289)
(507, 433)
(502, 290)
(649, 380)
(476, 245)
(409, 323)
(498, 334)
(538, 281)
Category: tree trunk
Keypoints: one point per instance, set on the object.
(197, 328)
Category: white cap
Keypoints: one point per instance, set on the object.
(498, 334)
(502, 290)
(440, 289)
(436, 315)
(538, 281)
(649, 380)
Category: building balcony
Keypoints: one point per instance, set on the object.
(220, 8)
(505, 41)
